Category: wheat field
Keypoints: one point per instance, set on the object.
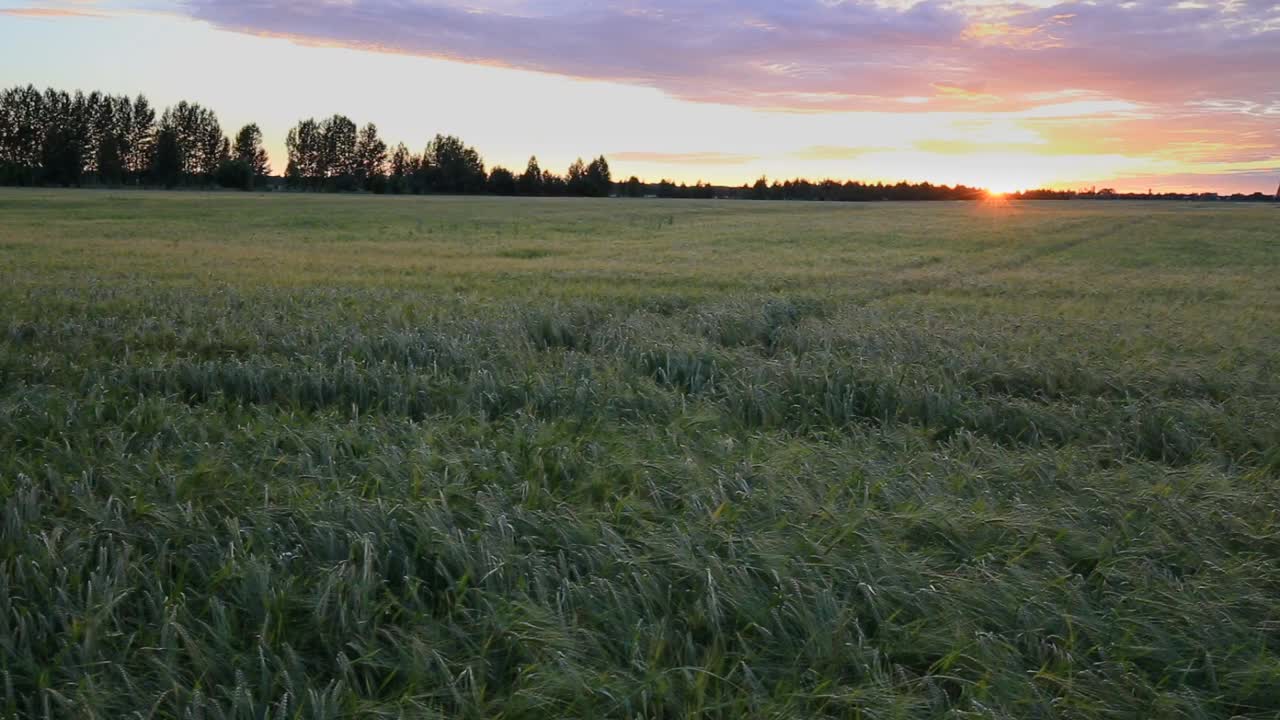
(288, 456)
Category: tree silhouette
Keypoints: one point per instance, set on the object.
(402, 167)
(338, 162)
(553, 184)
(199, 137)
(502, 181)
(453, 167)
(248, 150)
(760, 191)
(599, 180)
(371, 159)
(530, 182)
(109, 164)
(61, 158)
(575, 179)
(235, 173)
(139, 134)
(167, 162)
(303, 145)
(105, 138)
(22, 133)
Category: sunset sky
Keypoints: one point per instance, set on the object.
(1133, 95)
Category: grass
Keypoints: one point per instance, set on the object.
(336, 457)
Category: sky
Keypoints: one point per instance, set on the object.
(1131, 94)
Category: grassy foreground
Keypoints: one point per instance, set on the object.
(346, 457)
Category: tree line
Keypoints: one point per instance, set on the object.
(71, 139)
(800, 189)
(334, 154)
(59, 138)
(852, 191)
(1112, 194)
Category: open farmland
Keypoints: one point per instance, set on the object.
(338, 457)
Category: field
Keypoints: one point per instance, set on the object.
(348, 457)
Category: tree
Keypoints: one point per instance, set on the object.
(167, 162)
(220, 149)
(552, 184)
(103, 145)
(502, 181)
(199, 137)
(760, 191)
(63, 140)
(576, 178)
(303, 145)
(248, 150)
(62, 157)
(182, 122)
(530, 182)
(235, 173)
(452, 166)
(338, 160)
(110, 165)
(633, 187)
(371, 159)
(403, 165)
(599, 180)
(213, 147)
(21, 135)
(21, 126)
(140, 138)
(92, 118)
(122, 121)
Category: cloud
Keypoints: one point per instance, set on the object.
(817, 54)
(693, 158)
(49, 12)
(1173, 85)
(835, 152)
(954, 92)
(1246, 181)
(755, 52)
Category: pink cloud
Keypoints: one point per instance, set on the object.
(51, 12)
(806, 54)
